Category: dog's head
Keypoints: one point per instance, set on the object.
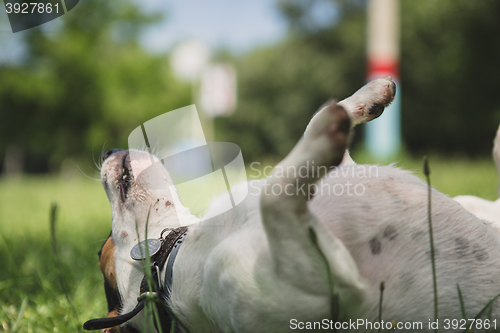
(134, 181)
(140, 191)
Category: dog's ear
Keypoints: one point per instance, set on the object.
(107, 265)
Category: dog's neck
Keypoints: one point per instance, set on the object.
(164, 211)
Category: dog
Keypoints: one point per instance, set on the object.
(485, 209)
(350, 252)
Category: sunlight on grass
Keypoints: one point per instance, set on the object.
(29, 269)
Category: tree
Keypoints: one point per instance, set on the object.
(87, 84)
(450, 69)
(282, 86)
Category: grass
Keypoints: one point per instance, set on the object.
(33, 280)
(427, 173)
(32, 297)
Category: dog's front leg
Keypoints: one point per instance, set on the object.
(297, 259)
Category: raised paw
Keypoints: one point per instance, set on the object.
(327, 135)
(369, 102)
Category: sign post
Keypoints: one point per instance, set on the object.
(383, 136)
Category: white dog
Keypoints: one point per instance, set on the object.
(281, 261)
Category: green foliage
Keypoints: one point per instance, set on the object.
(89, 82)
(450, 70)
(85, 84)
(281, 87)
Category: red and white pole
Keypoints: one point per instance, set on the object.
(383, 136)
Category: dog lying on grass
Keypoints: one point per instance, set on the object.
(313, 259)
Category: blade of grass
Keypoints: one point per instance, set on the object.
(490, 303)
(334, 308)
(427, 173)
(147, 273)
(53, 218)
(150, 308)
(60, 276)
(20, 315)
(382, 287)
(462, 304)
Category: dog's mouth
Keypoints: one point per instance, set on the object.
(133, 174)
(117, 176)
(125, 178)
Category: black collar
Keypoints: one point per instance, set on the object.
(160, 291)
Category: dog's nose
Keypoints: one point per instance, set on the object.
(109, 153)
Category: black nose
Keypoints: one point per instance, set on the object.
(109, 153)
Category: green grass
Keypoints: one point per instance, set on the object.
(32, 297)
(29, 271)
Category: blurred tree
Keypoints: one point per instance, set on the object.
(90, 82)
(85, 84)
(450, 71)
(282, 86)
(449, 75)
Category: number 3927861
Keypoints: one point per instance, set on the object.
(31, 8)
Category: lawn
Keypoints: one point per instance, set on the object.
(34, 282)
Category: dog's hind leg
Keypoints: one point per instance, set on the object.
(299, 245)
(367, 104)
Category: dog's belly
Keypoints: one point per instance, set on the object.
(234, 284)
(386, 231)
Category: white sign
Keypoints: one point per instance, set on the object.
(218, 90)
(188, 59)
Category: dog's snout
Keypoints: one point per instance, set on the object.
(110, 152)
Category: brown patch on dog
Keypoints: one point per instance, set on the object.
(107, 266)
(107, 262)
(118, 329)
(114, 329)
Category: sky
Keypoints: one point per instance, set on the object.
(235, 25)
